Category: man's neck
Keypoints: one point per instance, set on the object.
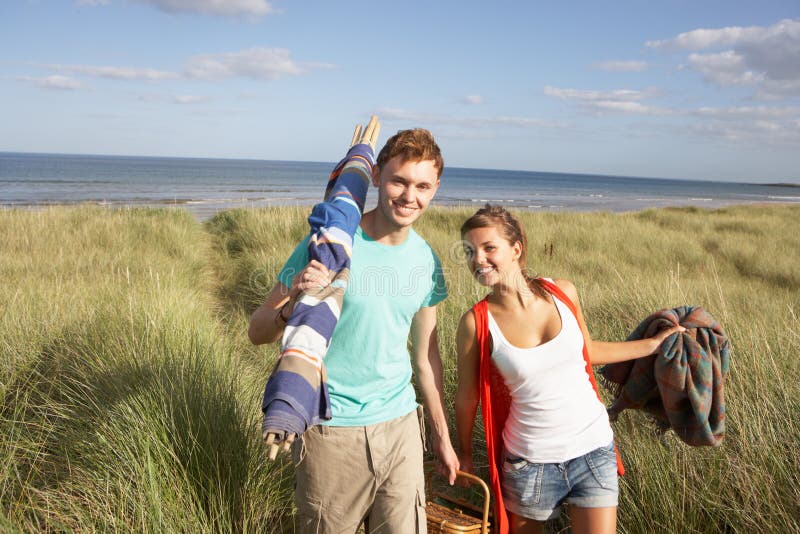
(380, 229)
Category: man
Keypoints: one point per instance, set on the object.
(365, 464)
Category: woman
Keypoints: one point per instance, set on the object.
(526, 354)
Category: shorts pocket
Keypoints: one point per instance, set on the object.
(309, 514)
(513, 463)
(603, 464)
(522, 480)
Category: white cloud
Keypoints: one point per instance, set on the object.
(705, 38)
(473, 100)
(617, 95)
(394, 114)
(165, 98)
(628, 108)
(226, 8)
(255, 63)
(756, 124)
(621, 66)
(750, 112)
(764, 125)
(759, 133)
(724, 68)
(766, 57)
(778, 89)
(189, 99)
(115, 73)
(625, 101)
(64, 83)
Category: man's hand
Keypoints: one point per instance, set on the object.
(447, 461)
(313, 275)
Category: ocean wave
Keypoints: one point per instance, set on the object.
(269, 190)
(27, 181)
(493, 200)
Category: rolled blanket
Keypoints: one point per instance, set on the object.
(296, 394)
(682, 385)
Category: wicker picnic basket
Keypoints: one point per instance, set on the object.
(450, 515)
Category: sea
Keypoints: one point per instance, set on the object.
(205, 186)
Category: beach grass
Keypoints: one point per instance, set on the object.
(131, 395)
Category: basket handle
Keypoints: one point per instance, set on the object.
(474, 480)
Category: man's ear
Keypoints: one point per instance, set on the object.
(376, 175)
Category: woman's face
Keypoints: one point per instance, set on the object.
(490, 257)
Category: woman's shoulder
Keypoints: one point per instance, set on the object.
(467, 324)
(467, 331)
(567, 287)
(467, 319)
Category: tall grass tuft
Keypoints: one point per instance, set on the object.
(124, 406)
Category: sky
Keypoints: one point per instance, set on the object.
(701, 90)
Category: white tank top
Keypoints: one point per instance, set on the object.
(555, 414)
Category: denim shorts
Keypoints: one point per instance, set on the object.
(536, 491)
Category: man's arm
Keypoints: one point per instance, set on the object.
(267, 322)
(430, 378)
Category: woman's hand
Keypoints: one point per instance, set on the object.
(661, 335)
(465, 464)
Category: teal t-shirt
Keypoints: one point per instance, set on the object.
(368, 364)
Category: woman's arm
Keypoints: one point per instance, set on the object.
(605, 352)
(467, 393)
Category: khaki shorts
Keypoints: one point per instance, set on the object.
(372, 474)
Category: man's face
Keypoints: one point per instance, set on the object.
(405, 189)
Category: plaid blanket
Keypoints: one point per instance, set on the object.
(682, 385)
(296, 394)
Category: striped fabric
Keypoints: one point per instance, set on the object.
(682, 385)
(296, 394)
